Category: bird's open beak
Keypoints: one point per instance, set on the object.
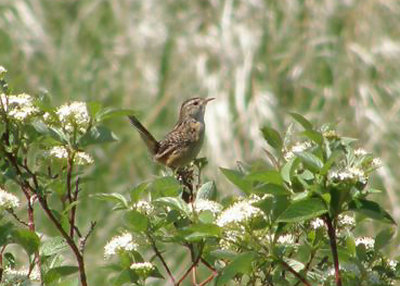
(209, 99)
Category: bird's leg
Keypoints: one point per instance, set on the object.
(185, 177)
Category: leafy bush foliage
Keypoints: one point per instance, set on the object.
(295, 221)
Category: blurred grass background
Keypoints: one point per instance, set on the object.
(329, 60)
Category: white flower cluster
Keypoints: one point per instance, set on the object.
(143, 207)
(232, 239)
(297, 148)
(142, 269)
(240, 213)
(367, 241)
(330, 134)
(360, 152)
(20, 277)
(202, 205)
(7, 200)
(350, 174)
(286, 239)
(317, 223)
(346, 221)
(119, 244)
(74, 115)
(19, 107)
(80, 158)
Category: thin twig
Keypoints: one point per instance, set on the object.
(82, 241)
(14, 215)
(158, 254)
(209, 279)
(295, 273)
(68, 239)
(73, 211)
(188, 270)
(272, 158)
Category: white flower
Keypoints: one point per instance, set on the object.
(201, 205)
(7, 200)
(367, 241)
(74, 114)
(392, 264)
(2, 70)
(376, 163)
(19, 107)
(350, 174)
(346, 220)
(317, 223)
(287, 239)
(142, 268)
(80, 158)
(143, 207)
(231, 239)
(360, 152)
(120, 243)
(297, 148)
(239, 213)
(17, 277)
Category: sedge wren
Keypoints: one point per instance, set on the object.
(181, 145)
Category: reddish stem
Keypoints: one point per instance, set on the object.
(332, 240)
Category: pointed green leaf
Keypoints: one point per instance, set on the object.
(302, 120)
(207, 191)
(267, 177)
(383, 237)
(303, 210)
(174, 203)
(108, 113)
(27, 239)
(237, 179)
(97, 135)
(240, 265)
(273, 138)
(57, 272)
(136, 221)
(371, 209)
(312, 162)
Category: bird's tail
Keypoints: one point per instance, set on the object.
(148, 139)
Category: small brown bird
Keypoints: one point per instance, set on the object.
(183, 143)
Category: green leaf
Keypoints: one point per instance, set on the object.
(108, 113)
(53, 245)
(57, 272)
(118, 199)
(126, 276)
(371, 209)
(302, 120)
(238, 179)
(240, 265)
(267, 177)
(200, 231)
(166, 186)
(136, 221)
(137, 191)
(5, 231)
(303, 210)
(97, 135)
(27, 239)
(273, 138)
(383, 237)
(93, 108)
(174, 203)
(207, 191)
(313, 136)
(312, 162)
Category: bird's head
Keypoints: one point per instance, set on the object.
(194, 108)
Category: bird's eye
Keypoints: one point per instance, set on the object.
(196, 103)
